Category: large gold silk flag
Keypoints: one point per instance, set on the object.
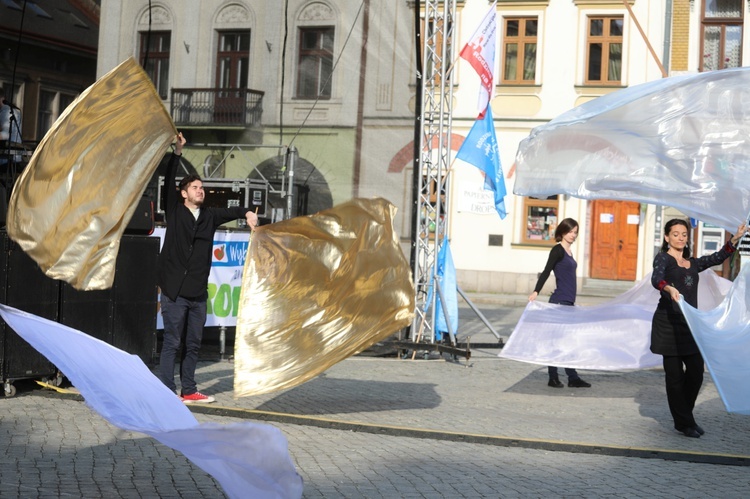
(316, 290)
(70, 206)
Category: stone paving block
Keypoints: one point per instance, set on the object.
(43, 436)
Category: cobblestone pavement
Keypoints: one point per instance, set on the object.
(375, 427)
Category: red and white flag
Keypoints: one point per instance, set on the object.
(480, 53)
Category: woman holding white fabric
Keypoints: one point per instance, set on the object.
(676, 273)
(562, 263)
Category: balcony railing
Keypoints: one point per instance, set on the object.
(216, 107)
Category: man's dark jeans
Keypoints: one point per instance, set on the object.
(183, 322)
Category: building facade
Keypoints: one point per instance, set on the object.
(267, 79)
(552, 56)
(47, 57)
(335, 81)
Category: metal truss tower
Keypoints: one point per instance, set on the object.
(432, 161)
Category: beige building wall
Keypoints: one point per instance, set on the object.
(513, 266)
(356, 139)
(369, 134)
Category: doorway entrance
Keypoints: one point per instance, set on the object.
(614, 239)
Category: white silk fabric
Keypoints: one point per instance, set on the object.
(682, 141)
(723, 336)
(613, 336)
(247, 459)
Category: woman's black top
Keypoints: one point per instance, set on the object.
(564, 267)
(670, 334)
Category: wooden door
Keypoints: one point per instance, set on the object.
(614, 239)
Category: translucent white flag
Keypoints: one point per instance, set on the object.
(247, 459)
(723, 336)
(613, 336)
(682, 141)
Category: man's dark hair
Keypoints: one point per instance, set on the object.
(188, 180)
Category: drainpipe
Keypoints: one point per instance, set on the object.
(659, 209)
(361, 101)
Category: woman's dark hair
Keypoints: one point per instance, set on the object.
(668, 227)
(565, 226)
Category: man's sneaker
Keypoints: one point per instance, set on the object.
(198, 398)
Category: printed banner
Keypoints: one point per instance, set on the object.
(473, 198)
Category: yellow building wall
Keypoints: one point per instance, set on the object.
(680, 35)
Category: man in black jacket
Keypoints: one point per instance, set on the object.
(184, 265)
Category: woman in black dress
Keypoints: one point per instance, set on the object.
(676, 273)
(561, 262)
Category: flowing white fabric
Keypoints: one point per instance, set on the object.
(723, 336)
(682, 141)
(613, 336)
(247, 459)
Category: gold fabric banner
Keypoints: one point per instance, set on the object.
(71, 204)
(316, 290)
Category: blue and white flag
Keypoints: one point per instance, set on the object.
(446, 272)
(480, 149)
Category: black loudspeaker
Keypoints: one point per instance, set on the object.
(124, 315)
(28, 289)
(88, 311)
(3, 295)
(142, 222)
(134, 297)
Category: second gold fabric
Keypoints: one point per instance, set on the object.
(317, 290)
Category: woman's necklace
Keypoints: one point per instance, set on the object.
(682, 262)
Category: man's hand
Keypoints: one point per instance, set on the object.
(179, 143)
(252, 219)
